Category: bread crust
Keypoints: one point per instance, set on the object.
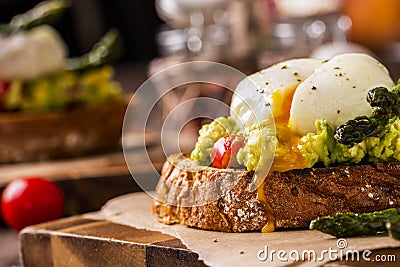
(293, 198)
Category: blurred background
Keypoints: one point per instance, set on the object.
(262, 31)
(246, 34)
(86, 21)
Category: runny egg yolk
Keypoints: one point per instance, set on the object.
(288, 156)
(290, 159)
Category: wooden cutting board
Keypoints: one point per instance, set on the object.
(77, 241)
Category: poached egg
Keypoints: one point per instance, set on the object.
(261, 96)
(29, 54)
(301, 91)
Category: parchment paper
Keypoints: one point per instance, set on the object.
(239, 249)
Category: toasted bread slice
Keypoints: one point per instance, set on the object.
(284, 200)
(53, 135)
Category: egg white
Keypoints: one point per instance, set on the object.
(28, 55)
(336, 91)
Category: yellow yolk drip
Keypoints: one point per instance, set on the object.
(270, 225)
(290, 158)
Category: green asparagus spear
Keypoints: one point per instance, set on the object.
(393, 228)
(359, 128)
(353, 224)
(45, 12)
(102, 53)
(385, 105)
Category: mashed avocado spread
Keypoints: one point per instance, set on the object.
(260, 143)
(59, 90)
(323, 147)
(319, 147)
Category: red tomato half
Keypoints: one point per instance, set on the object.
(225, 149)
(29, 201)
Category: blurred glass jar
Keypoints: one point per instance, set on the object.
(294, 37)
(193, 27)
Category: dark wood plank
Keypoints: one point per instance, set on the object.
(77, 241)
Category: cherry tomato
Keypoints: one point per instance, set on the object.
(33, 200)
(225, 149)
